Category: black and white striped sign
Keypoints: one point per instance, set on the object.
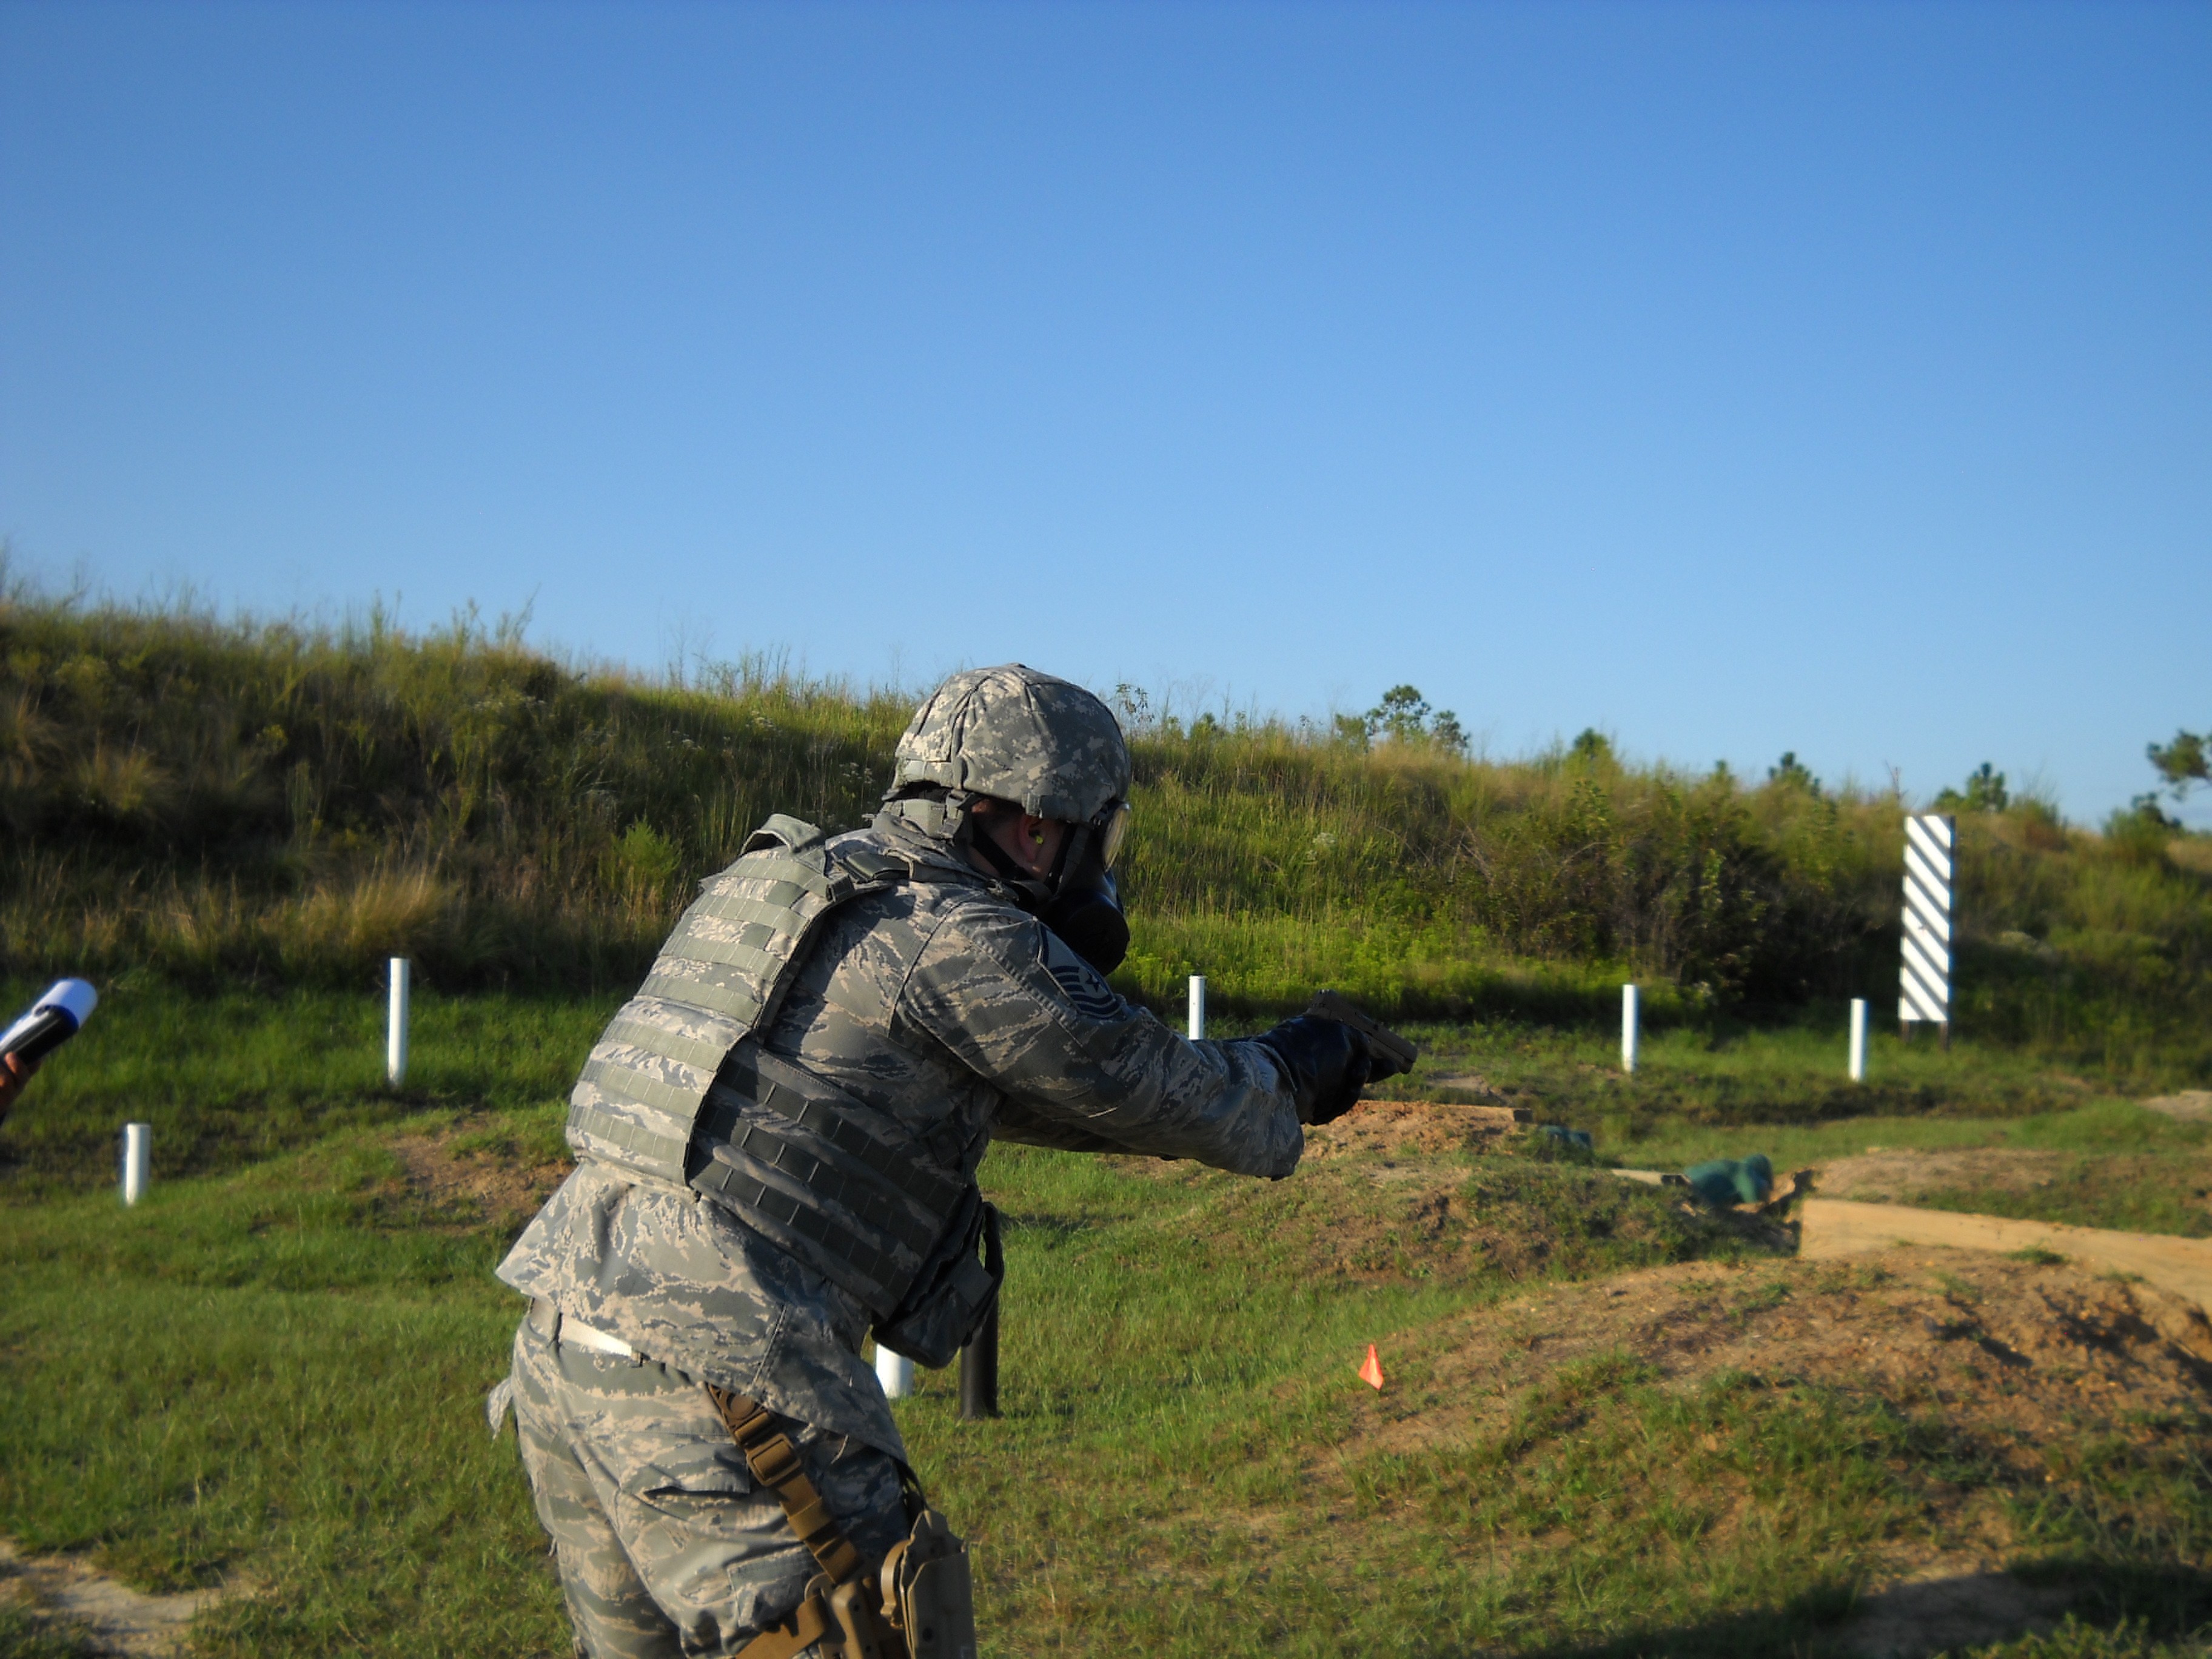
(1925, 978)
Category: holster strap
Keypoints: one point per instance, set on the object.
(776, 1463)
(809, 1624)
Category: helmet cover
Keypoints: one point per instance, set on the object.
(1046, 744)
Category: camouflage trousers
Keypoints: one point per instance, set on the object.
(666, 1546)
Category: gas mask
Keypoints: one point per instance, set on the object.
(1079, 900)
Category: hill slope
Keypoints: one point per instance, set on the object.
(214, 801)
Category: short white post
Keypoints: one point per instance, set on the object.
(1197, 1007)
(1628, 1028)
(895, 1371)
(395, 1046)
(1858, 1039)
(138, 1160)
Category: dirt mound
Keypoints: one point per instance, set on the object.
(2189, 1106)
(453, 1172)
(2012, 1353)
(1408, 1128)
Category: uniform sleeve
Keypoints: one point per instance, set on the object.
(1014, 1121)
(1080, 1066)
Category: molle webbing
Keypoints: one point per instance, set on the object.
(719, 978)
(678, 1090)
(873, 1208)
(815, 1103)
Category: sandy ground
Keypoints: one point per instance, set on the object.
(2189, 1106)
(107, 1616)
(1898, 1176)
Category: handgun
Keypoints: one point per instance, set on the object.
(1331, 1004)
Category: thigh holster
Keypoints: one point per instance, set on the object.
(917, 1602)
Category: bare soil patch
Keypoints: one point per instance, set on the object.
(2022, 1353)
(475, 1184)
(1939, 1610)
(2189, 1106)
(1385, 1129)
(1899, 1174)
(1407, 1129)
(104, 1615)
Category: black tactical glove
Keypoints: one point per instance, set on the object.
(1328, 1064)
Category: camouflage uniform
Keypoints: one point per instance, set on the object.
(953, 1012)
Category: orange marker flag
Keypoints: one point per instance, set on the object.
(1370, 1370)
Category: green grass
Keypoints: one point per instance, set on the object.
(1729, 1072)
(24, 1634)
(272, 1374)
(226, 1079)
(229, 1078)
(2104, 1128)
(224, 803)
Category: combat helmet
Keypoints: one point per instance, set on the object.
(1053, 749)
(1048, 746)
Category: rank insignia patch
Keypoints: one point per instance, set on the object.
(1077, 979)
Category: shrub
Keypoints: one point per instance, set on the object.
(222, 799)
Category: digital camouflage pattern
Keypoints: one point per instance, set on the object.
(809, 1167)
(716, 976)
(1048, 746)
(949, 1015)
(955, 1016)
(665, 1543)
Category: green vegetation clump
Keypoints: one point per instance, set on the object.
(229, 802)
(225, 800)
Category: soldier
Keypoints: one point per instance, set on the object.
(776, 1146)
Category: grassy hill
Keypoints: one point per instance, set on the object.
(211, 802)
(1613, 1427)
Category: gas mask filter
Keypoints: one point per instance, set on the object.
(1086, 912)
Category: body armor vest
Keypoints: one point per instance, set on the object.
(679, 1090)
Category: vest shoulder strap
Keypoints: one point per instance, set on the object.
(719, 978)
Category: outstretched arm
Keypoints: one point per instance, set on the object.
(1080, 1066)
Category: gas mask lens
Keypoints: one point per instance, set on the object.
(1110, 827)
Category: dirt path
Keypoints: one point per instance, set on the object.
(109, 1617)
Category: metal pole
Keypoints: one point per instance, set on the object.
(1197, 1007)
(979, 1360)
(1628, 1028)
(395, 1046)
(895, 1371)
(1858, 1039)
(138, 1160)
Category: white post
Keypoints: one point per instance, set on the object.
(1197, 1007)
(1628, 1028)
(1858, 1039)
(395, 1046)
(895, 1371)
(138, 1160)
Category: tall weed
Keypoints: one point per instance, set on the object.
(220, 799)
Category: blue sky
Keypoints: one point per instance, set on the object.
(1732, 378)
